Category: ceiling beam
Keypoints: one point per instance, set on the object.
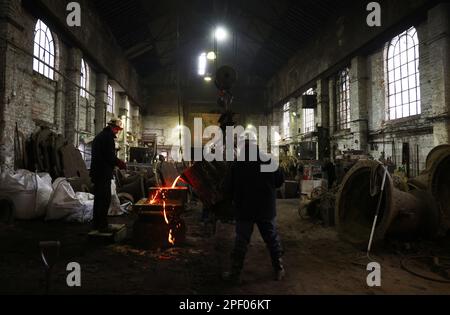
(138, 50)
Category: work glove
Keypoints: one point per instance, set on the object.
(121, 165)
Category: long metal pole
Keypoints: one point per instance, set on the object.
(179, 81)
(375, 221)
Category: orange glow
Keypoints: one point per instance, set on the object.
(171, 238)
(165, 214)
(152, 202)
(176, 181)
(160, 196)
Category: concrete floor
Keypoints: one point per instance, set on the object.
(317, 262)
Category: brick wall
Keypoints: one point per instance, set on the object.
(31, 100)
(370, 130)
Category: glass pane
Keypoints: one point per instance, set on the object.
(412, 95)
(398, 112)
(403, 45)
(411, 55)
(392, 101)
(404, 70)
(412, 82)
(397, 74)
(405, 109)
(398, 99)
(398, 86)
(403, 57)
(405, 97)
(405, 85)
(413, 108)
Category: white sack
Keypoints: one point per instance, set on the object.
(69, 206)
(30, 193)
(114, 208)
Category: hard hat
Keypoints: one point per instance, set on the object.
(116, 123)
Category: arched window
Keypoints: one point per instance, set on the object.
(403, 77)
(84, 80)
(287, 121)
(308, 115)
(44, 51)
(343, 115)
(111, 99)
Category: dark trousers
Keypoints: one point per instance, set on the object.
(102, 201)
(244, 231)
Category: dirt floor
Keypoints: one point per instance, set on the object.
(317, 262)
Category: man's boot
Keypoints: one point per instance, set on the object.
(234, 275)
(279, 271)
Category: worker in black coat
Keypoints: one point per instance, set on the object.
(104, 160)
(254, 199)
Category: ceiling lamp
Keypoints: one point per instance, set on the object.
(221, 34)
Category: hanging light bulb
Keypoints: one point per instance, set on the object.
(211, 55)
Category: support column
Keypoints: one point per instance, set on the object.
(323, 101)
(72, 94)
(121, 102)
(4, 161)
(59, 106)
(300, 116)
(332, 105)
(358, 103)
(439, 48)
(323, 119)
(101, 100)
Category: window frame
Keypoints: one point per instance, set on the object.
(84, 79)
(343, 100)
(402, 71)
(308, 116)
(111, 99)
(44, 57)
(308, 120)
(287, 120)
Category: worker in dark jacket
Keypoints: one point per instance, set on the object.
(254, 200)
(104, 160)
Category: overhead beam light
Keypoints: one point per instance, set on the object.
(202, 63)
(220, 34)
(208, 79)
